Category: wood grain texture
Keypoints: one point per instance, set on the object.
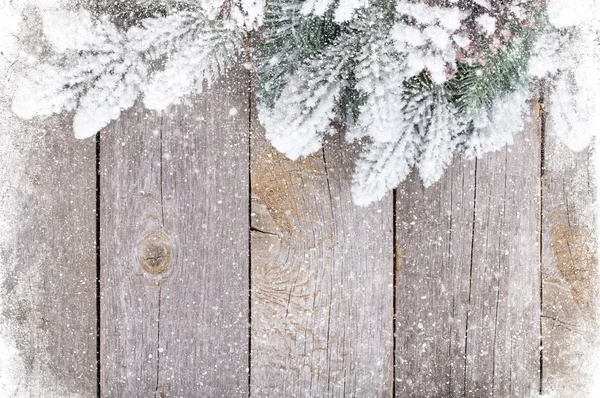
(174, 248)
(322, 277)
(434, 230)
(204, 308)
(468, 277)
(503, 325)
(49, 266)
(130, 207)
(569, 267)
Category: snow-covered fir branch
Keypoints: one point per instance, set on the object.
(430, 79)
(302, 114)
(418, 81)
(100, 70)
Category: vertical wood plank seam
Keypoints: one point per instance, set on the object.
(498, 284)
(331, 286)
(449, 254)
(470, 274)
(158, 344)
(333, 255)
(162, 203)
(394, 283)
(162, 217)
(328, 189)
(95, 8)
(98, 297)
(542, 125)
(251, 100)
(328, 336)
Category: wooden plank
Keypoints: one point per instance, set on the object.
(174, 248)
(205, 301)
(48, 260)
(503, 325)
(468, 277)
(322, 277)
(434, 229)
(130, 206)
(569, 267)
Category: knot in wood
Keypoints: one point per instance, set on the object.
(155, 256)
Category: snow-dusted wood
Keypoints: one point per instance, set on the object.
(468, 277)
(322, 277)
(130, 207)
(433, 257)
(569, 268)
(48, 260)
(174, 248)
(204, 309)
(503, 324)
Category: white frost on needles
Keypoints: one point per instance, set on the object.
(198, 53)
(487, 23)
(428, 42)
(344, 10)
(404, 125)
(424, 131)
(99, 84)
(99, 70)
(305, 109)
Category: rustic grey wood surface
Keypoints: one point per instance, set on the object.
(49, 269)
(174, 248)
(503, 325)
(433, 257)
(468, 277)
(569, 267)
(322, 278)
(177, 238)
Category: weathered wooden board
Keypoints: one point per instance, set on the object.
(130, 206)
(433, 260)
(569, 267)
(204, 308)
(322, 278)
(174, 248)
(468, 277)
(503, 325)
(49, 264)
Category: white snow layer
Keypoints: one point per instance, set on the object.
(573, 59)
(564, 13)
(495, 128)
(487, 23)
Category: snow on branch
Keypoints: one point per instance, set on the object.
(99, 70)
(196, 50)
(301, 116)
(420, 81)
